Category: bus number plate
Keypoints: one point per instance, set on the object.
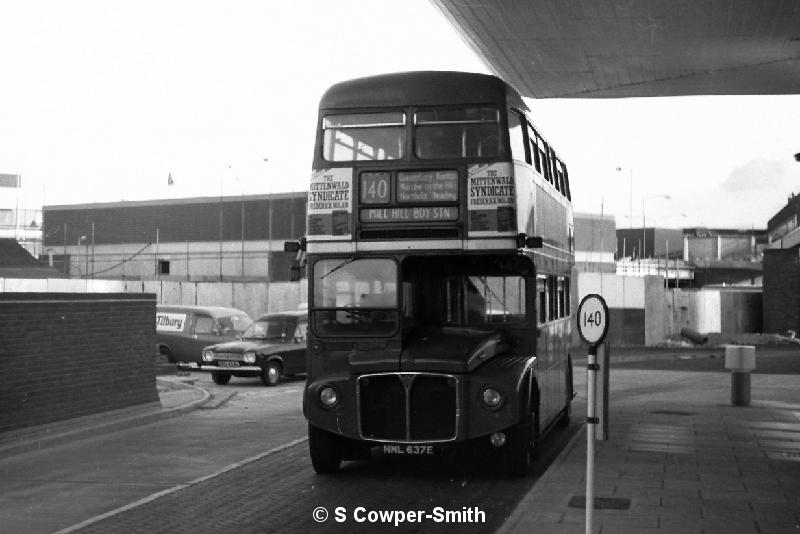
(412, 450)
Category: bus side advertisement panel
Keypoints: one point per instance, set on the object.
(526, 199)
(330, 204)
(491, 200)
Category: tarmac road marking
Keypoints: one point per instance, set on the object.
(179, 487)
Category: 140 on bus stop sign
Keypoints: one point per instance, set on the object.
(593, 319)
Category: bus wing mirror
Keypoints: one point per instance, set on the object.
(534, 242)
(295, 246)
(295, 271)
(523, 241)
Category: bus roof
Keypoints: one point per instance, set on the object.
(420, 88)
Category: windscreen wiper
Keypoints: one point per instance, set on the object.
(345, 262)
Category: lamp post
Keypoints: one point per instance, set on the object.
(220, 226)
(82, 240)
(269, 238)
(644, 231)
(630, 172)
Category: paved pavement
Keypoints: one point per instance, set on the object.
(681, 459)
(58, 477)
(176, 397)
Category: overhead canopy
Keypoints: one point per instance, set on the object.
(634, 48)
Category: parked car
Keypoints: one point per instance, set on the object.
(274, 345)
(183, 331)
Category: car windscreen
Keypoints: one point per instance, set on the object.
(233, 324)
(271, 328)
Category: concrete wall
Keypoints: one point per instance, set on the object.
(626, 300)
(255, 298)
(643, 312)
(725, 311)
(68, 355)
(696, 309)
(741, 311)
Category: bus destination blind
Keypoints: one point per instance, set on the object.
(436, 186)
(416, 214)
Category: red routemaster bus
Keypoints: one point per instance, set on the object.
(439, 251)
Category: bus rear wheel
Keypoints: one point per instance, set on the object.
(326, 455)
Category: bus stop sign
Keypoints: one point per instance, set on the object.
(593, 319)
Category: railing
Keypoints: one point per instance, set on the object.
(668, 269)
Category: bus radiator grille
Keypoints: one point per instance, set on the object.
(413, 408)
(383, 407)
(433, 408)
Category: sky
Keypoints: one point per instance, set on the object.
(102, 101)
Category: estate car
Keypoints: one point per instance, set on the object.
(274, 345)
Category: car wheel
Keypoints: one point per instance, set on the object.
(165, 352)
(221, 378)
(326, 455)
(271, 374)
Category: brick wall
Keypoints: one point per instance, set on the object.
(65, 355)
(781, 302)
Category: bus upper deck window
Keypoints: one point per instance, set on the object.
(363, 136)
(457, 133)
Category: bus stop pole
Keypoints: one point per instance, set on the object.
(591, 421)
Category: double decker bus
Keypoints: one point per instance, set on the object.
(439, 251)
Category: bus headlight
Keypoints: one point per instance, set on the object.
(328, 397)
(208, 355)
(491, 397)
(250, 357)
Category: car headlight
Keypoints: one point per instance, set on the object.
(491, 397)
(328, 397)
(208, 355)
(250, 356)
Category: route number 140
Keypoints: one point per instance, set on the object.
(593, 319)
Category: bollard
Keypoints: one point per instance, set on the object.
(740, 359)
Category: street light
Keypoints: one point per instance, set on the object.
(644, 231)
(269, 239)
(619, 169)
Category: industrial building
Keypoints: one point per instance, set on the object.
(17, 221)
(231, 238)
(595, 239)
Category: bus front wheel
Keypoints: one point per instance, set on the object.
(326, 456)
(521, 445)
